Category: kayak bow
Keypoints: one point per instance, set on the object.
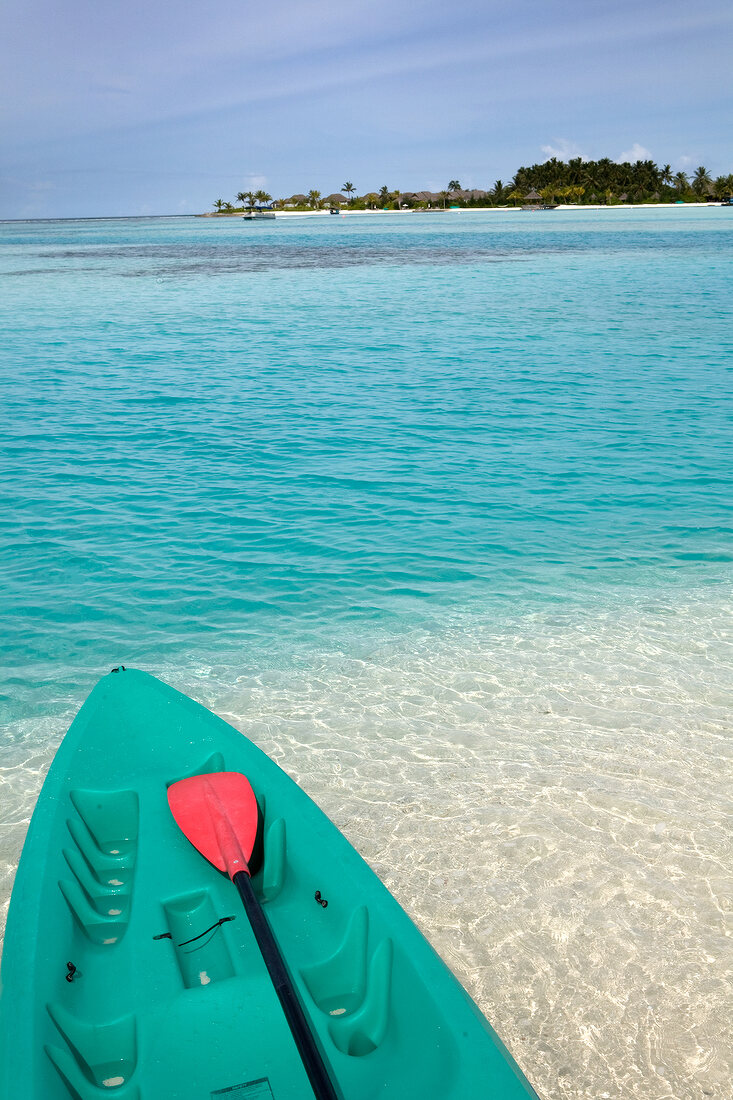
(129, 968)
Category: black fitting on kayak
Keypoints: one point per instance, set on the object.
(321, 901)
(121, 668)
(71, 972)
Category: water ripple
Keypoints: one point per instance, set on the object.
(438, 512)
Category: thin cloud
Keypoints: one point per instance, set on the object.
(564, 150)
(636, 152)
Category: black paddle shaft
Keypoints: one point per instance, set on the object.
(301, 1032)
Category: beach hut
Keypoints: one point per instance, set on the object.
(336, 200)
(430, 198)
(468, 196)
(297, 200)
(533, 201)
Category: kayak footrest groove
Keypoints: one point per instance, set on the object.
(353, 990)
(105, 831)
(99, 1058)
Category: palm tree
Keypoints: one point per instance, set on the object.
(384, 194)
(218, 205)
(246, 197)
(497, 191)
(314, 199)
(575, 170)
(454, 185)
(681, 182)
(665, 174)
(702, 181)
(723, 187)
(262, 197)
(348, 189)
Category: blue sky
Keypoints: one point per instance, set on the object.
(148, 107)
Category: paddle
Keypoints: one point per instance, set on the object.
(219, 814)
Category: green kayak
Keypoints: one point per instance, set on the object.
(130, 967)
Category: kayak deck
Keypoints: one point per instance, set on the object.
(129, 966)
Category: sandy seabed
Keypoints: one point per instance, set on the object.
(549, 800)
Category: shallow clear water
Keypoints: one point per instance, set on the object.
(437, 510)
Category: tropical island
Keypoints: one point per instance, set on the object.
(576, 182)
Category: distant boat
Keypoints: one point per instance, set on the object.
(258, 216)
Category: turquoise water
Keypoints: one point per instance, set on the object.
(437, 510)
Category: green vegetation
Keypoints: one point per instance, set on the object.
(605, 181)
(555, 182)
(251, 199)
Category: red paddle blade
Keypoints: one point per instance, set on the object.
(219, 815)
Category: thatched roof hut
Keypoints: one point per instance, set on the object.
(468, 196)
(533, 201)
(336, 198)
